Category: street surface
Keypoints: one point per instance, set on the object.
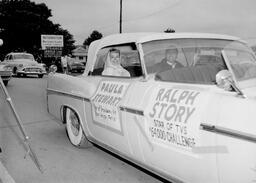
(61, 161)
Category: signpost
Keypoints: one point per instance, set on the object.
(51, 41)
(52, 45)
(53, 52)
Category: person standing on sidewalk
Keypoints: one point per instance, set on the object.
(64, 63)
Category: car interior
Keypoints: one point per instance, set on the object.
(129, 60)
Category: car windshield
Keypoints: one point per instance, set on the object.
(23, 56)
(242, 61)
(198, 60)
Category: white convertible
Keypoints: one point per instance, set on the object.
(193, 123)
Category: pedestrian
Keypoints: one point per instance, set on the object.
(64, 63)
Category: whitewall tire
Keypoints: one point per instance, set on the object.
(74, 129)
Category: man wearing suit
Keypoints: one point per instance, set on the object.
(169, 62)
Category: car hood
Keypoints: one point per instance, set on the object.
(27, 62)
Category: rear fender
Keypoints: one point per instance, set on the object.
(69, 91)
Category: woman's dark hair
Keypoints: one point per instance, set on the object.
(114, 50)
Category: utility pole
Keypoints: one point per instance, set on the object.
(120, 25)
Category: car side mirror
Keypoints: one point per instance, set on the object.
(224, 80)
(53, 69)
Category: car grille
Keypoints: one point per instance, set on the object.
(5, 73)
(32, 70)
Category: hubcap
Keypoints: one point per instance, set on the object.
(75, 124)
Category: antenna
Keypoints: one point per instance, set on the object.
(120, 25)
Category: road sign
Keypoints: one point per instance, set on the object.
(53, 52)
(51, 41)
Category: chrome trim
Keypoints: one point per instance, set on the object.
(228, 132)
(130, 110)
(52, 91)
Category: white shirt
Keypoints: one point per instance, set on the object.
(115, 71)
(64, 61)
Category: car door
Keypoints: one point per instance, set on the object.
(167, 113)
(165, 124)
(106, 124)
(236, 132)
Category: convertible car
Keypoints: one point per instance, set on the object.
(187, 124)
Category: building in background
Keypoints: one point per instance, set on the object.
(80, 54)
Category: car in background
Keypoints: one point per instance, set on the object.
(24, 64)
(43, 65)
(5, 73)
(75, 66)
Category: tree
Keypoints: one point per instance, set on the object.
(169, 30)
(95, 35)
(68, 41)
(21, 24)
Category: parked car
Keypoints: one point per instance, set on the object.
(5, 73)
(43, 65)
(75, 66)
(194, 123)
(24, 64)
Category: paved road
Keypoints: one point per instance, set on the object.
(62, 162)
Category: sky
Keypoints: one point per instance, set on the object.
(81, 17)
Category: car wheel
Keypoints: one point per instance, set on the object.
(40, 75)
(74, 129)
(18, 75)
(5, 82)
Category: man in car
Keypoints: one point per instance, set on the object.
(170, 60)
